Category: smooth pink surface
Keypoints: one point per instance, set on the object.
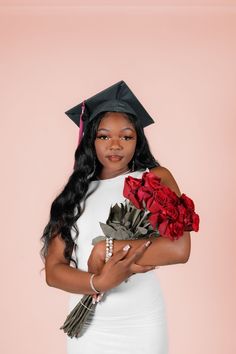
(180, 62)
(135, 3)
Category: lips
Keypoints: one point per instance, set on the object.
(114, 157)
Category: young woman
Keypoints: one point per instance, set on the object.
(130, 317)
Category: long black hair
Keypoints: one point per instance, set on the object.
(66, 208)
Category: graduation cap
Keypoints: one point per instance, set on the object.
(116, 98)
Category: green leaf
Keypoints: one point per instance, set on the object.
(142, 219)
(115, 226)
(138, 219)
(107, 230)
(142, 230)
(122, 235)
(127, 224)
(116, 210)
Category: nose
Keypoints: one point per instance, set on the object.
(115, 144)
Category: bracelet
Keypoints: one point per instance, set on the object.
(109, 248)
(91, 284)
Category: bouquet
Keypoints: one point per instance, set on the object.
(150, 209)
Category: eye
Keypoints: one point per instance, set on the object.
(126, 137)
(102, 137)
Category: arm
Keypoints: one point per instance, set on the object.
(162, 251)
(60, 274)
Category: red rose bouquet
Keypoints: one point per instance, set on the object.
(150, 209)
(169, 214)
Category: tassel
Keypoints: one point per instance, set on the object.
(81, 123)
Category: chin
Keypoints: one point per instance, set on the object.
(115, 166)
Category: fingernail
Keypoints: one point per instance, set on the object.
(148, 243)
(126, 248)
(94, 301)
(99, 298)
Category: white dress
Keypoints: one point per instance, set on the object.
(131, 318)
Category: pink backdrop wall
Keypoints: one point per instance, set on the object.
(180, 61)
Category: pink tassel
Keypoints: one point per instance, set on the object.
(81, 123)
(81, 127)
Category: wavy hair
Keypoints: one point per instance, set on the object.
(66, 208)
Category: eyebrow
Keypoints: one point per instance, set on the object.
(107, 130)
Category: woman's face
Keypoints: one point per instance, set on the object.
(115, 144)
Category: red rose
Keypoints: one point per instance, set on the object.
(131, 187)
(151, 181)
(187, 201)
(144, 194)
(172, 230)
(191, 222)
(159, 199)
(153, 205)
(155, 220)
(173, 198)
(172, 212)
(162, 227)
(182, 213)
(196, 221)
(133, 183)
(161, 196)
(187, 214)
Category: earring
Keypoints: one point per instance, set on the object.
(132, 167)
(94, 169)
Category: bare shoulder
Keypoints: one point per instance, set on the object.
(166, 178)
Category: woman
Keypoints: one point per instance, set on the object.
(130, 317)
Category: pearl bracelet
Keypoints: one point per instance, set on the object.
(109, 248)
(91, 284)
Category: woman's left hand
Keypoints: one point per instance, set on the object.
(96, 259)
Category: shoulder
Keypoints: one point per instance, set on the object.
(162, 172)
(166, 178)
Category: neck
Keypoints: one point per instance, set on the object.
(111, 174)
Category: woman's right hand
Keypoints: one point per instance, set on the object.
(119, 267)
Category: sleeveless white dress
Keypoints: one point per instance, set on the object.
(130, 319)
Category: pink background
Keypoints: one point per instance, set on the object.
(179, 59)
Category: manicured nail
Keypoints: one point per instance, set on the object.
(99, 297)
(126, 248)
(148, 243)
(94, 301)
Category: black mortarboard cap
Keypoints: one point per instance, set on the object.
(116, 98)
